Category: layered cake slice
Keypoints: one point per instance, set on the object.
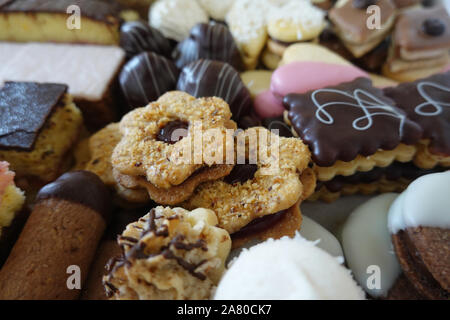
(39, 123)
(89, 71)
(55, 21)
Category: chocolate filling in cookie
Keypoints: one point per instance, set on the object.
(173, 131)
(241, 173)
(259, 225)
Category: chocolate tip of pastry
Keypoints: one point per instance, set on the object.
(363, 4)
(433, 27)
(82, 187)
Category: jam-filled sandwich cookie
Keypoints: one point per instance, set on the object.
(101, 147)
(427, 102)
(166, 147)
(12, 215)
(37, 146)
(63, 230)
(261, 195)
(169, 254)
(420, 44)
(350, 20)
(351, 127)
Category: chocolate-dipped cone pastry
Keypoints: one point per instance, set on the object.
(253, 193)
(426, 101)
(39, 124)
(146, 77)
(207, 78)
(402, 4)
(137, 37)
(351, 24)
(420, 44)
(48, 21)
(160, 151)
(351, 127)
(12, 211)
(63, 230)
(169, 254)
(208, 41)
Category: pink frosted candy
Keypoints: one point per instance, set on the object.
(301, 77)
(266, 105)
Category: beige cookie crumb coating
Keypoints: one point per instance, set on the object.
(238, 204)
(169, 254)
(10, 203)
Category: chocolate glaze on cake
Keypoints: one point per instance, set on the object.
(146, 77)
(208, 41)
(277, 123)
(208, 78)
(24, 109)
(351, 119)
(137, 37)
(81, 187)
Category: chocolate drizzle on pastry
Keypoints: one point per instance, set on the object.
(105, 11)
(241, 173)
(427, 102)
(137, 37)
(351, 119)
(146, 77)
(81, 187)
(207, 78)
(19, 100)
(208, 41)
(173, 131)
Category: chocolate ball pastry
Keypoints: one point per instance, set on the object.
(146, 77)
(63, 231)
(137, 37)
(207, 78)
(208, 41)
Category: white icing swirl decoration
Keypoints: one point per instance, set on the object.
(429, 101)
(370, 105)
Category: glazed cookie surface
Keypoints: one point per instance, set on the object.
(169, 254)
(255, 190)
(149, 148)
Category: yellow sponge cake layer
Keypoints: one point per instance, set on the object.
(10, 203)
(52, 27)
(58, 135)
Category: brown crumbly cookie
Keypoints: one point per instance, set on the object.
(101, 147)
(424, 255)
(253, 190)
(403, 290)
(141, 128)
(169, 254)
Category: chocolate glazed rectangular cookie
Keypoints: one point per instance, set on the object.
(351, 127)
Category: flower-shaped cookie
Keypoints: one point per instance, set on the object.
(268, 182)
(169, 254)
(175, 142)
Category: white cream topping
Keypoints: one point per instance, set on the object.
(366, 242)
(87, 69)
(313, 231)
(425, 203)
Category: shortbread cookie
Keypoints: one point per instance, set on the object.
(351, 127)
(256, 81)
(351, 24)
(175, 18)
(208, 78)
(159, 149)
(212, 41)
(259, 185)
(311, 52)
(169, 254)
(270, 59)
(426, 101)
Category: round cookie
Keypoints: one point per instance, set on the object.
(256, 81)
(312, 53)
(175, 18)
(169, 254)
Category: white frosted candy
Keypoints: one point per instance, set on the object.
(425, 203)
(175, 18)
(217, 9)
(313, 231)
(366, 242)
(287, 269)
(87, 69)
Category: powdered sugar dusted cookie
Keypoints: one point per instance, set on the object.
(175, 18)
(169, 254)
(158, 150)
(426, 101)
(260, 186)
